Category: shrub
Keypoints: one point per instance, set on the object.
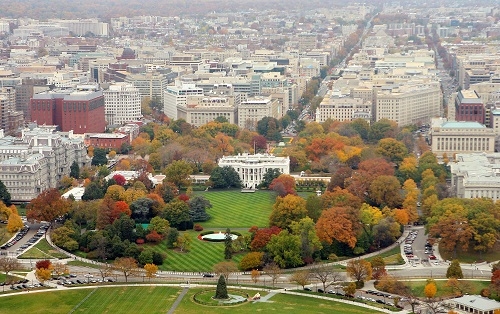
(154, 236)
(139, 241)
(198, 227)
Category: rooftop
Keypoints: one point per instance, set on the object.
(478, 302)
(462, 125)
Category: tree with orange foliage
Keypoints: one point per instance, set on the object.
(430, 290)
(47, 206)
(262, 236)
(320, 147)
(283, 185)
(119, 208)
(335, 224)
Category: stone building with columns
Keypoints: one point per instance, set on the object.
(251, 168)
(476, 175)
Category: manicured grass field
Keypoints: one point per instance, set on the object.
(100, 300)
(201, 257)
(472, 256)
(391, 257)
(444, 291)
(158, 300)
(43, 250)
(4, 234)
(278, 304)
(238, 210)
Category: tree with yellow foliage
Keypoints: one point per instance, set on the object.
(15, 223)
(151, 270)
(430, 290)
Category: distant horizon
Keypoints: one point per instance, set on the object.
(65, 9)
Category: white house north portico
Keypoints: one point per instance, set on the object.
(251, 168)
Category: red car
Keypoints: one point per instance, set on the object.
(433, 257)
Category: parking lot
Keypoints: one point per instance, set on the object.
(24, 239)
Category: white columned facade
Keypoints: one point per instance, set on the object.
(251, 168)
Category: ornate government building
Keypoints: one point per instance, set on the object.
(251, 168)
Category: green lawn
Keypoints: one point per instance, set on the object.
(42, 250)
(278, 304)
(238, 210)
(158, 300)
(472, 256)
(201, 257)
(4, 235)
(83, 264)
(391, 257)
(100, 300)
(442, 290)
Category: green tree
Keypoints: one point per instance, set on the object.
(159, 225)
(93, 191)
(287, 210)
(4, 194)
(198, 206)
(309, 241)
(99, 157)
(314, 207)
(74, 170)
(228, 245)
(392, 149)
(221, 291)
(171, 238)
(269, 176)
(454, 270)
(285, 249)
(146, 257)
(178, 173)
(225, 177)
(385, 191)
(177, 213)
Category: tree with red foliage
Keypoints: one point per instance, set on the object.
(260, 142)
(335, 224)
(283, 185)
(119, 208)
(154, 236)
(262, 237)
(360, 181)
(47, 206)
(119, 179)
(495, 281)
(46, 264)
(183, 197)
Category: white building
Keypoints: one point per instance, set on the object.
(453, 137)
(343, 109)
(176, 96)
(254, 109)
(122, 104)
(475, 304)
(251, 168)
(408, 104)
(37, 161)
(476, 175)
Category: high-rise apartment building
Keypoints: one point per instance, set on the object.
(122, 104)
(176, 96)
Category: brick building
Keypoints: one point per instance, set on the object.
(469, 107)
(80, 109)
(112, 141)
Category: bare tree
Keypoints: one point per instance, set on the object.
(106, 270)
(327, 275)
(225, 269)
(8, 264)
(273, 271)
